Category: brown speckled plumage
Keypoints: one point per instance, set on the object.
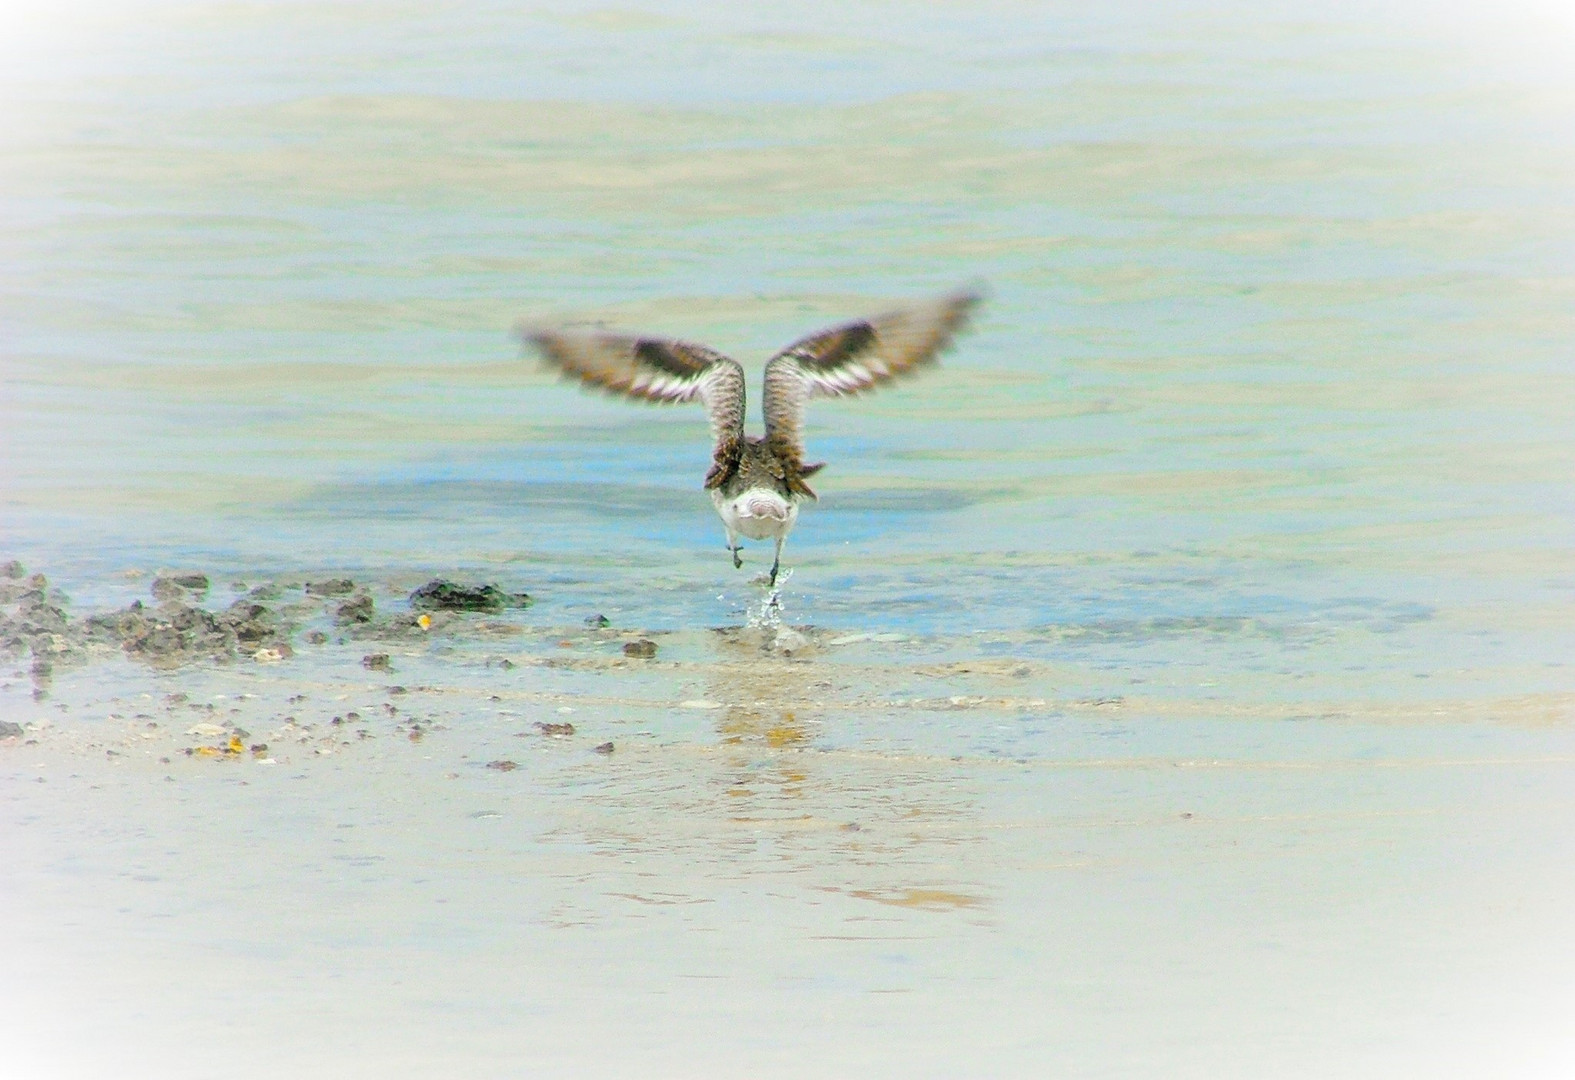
(841, 360)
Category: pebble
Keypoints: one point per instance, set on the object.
(604, 748)
(644, 649)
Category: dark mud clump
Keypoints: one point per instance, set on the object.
(177, 625)
(441, 595)
(172, 633)
(37, 622)
(355, 610)
(177, 587)
(176, 633)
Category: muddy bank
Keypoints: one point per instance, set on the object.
(179, 624)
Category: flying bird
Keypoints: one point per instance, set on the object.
(757, 484)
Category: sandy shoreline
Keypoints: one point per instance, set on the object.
(866, 853)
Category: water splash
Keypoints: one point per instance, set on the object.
(767, 619)
(766, 616)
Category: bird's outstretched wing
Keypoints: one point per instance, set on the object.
(851, 358)
(656, 369)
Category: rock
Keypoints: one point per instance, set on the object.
(9, 730)
(172, 588)
(10, 594)
(503, 766)
(598, 622)
(441, 595)
(358, 610)
(604, 748)
(12, 570)
(316, 637)
(331, 587)
(249, 622)
(557, 730)
(36, 616)
(643, 649)
(377, 662)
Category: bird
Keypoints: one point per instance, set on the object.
(757, 484)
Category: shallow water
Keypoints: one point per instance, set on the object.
(1264, 438)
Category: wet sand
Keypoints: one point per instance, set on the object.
(863, 854)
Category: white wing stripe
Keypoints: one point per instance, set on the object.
(856, 356)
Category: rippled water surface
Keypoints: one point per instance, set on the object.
(1262, 452)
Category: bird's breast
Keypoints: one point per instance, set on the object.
(758, 513)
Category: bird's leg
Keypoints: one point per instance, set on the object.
(732, 545)
(776, 564)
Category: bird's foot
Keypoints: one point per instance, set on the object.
(738, 563)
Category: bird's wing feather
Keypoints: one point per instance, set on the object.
(854, 357)
(655, 369)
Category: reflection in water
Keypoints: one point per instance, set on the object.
(861, 828)
(767, 701)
